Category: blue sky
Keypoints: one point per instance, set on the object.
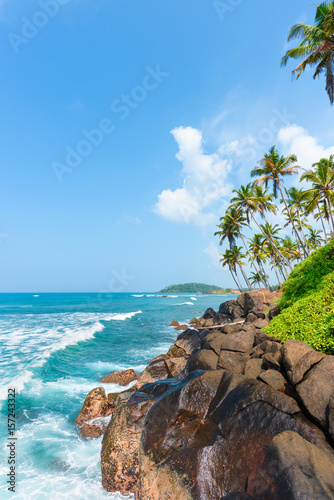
(168, 105)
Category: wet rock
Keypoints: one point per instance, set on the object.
(291, 468)
(273, 378)
(316, 390)
(233, 361)
(174, 323)
(202, 360)
(298, 358)
(120, 378)
(188, 341)
(176, 367)
(92, 419)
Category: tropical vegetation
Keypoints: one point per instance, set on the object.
(194, 288)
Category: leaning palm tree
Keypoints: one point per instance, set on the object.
(258, 279)
(273, 167)
(322, 191)
(316, 47)
(296, 202)
(228, 260)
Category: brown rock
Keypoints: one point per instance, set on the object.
(120, 378)
(253, 368)
(298, 358)
(174, 323)
(188, 341)
(175, 352)
(261, 323)
(92, 419)
(176, 367)
(290, 468)
(233, 361)
(181, 327)
(203, 360)
(273, 378)
(156, 370)
(270, 363)
(233, 328)
(209, 313)
(239, 342)
(316, 390)
(274, 311)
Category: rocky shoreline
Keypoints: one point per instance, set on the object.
(228, 412)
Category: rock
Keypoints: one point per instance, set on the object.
(92, 419)
(231, 308)
(156, 370)
(251, 318)
(176, 367)
(298, 358)
(237, 496)
(273, 378)
(316, 390)
(233, 361)
(233, 328)
(261, 323)
(257, 300)
(213, 341)
(174, 323)
(202, 360)
(120, 378)
(209, 313)
(270, 363)
(181, 327)
(239, 342)
(189, 340)
(253, 368)
(274, 311)
(200, 439)
(331, 416)
(176, 352)
(291, 468)
(120, 445)
(261, 336)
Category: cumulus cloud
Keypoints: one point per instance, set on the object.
(204, 182)
(297, 140)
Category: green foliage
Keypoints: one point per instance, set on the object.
(192, 288)
(308, 276)
(311, 318)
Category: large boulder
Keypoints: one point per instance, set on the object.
(94, 415)
(156, 370)
(231, 308)
(121, 378)
(233, 361)
(291, 468)
(189, 341)
(298, 358)
(201, 438)
(209, 313)
(120, 445)
(316, 390)
(204, 359)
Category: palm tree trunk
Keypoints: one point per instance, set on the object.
(331, 214)
(239, 286)
(291, 219)
(271, 241)
(302, 231)
(323, 224)
(247, 250)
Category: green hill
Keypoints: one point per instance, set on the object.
(194, 288)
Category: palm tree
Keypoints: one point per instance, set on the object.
(258, 278)
(315, 239)
(317, 46)
(259, 253)
(322, 191)
(296, 202)
(273, 168)
(228, 259)
(289, 249)
(230, 227)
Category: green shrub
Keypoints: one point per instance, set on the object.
(308, 275)
(311, 318)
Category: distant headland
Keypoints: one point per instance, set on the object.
(197, 288)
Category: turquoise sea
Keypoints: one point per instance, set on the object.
(54, 350)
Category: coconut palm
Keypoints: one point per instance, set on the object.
(296, 202)
(272, 169)
(315, 239)
(258, 278)
(322, 191)
(316, 47)
(229, 260)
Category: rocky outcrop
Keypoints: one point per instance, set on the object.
(121, 378)
(95, 413)
(227, 413)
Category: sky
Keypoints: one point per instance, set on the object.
(125, 125)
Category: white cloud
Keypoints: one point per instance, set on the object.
(204, 182)
(128, 219)
(213, 253)
(296, 140)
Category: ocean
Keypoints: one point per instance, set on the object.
(54, 350)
